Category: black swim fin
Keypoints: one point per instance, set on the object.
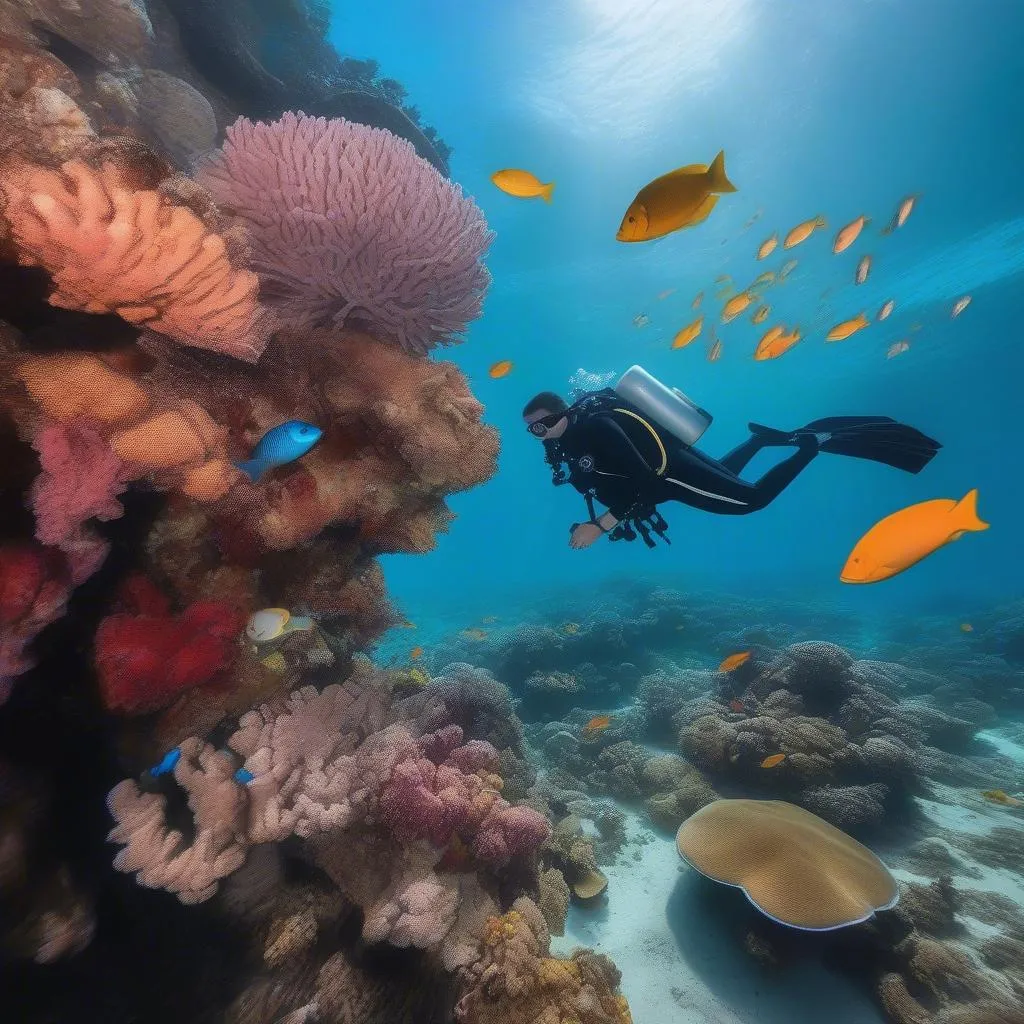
(877, 438)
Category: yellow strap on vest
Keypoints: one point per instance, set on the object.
(657, 440)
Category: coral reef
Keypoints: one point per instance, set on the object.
(348, 226)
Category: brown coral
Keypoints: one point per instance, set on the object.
(111, 249)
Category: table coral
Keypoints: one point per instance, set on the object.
(110, 248)
(350, 226)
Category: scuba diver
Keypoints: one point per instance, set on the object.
(631, 447)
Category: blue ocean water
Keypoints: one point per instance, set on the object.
(838, 110)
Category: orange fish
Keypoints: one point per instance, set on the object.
(416, 652)
(848, 235)
(598, 724)
(715, 352)
(766, 278)
(736, 305)
(771, 762)
(688, 333)
(736, 705)
(767, 247)
(501, 369)
(760, 314)
(960, 305)
(665, 294)
(787, 268)
(899, 218)
(863, 269)
(803, 231)
(734, 661)
(966, 627)
(776, 343)
(997, 796)
(887, 307)
(697, 301)
(847, 328)
(897, 348)
(904, 538)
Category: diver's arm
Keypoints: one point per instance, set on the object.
(615, 452)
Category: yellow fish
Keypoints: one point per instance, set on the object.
(715, 352)
(902, 539)
(899, 218)
(766, 278)
(734, 661)
(803, 231)
(847, 328)
(966, 627)
(897, 348)
(997, 796)
(887, 307)
(848, 235)
(522, 184)
(760, 314)
(775, 343)
(697, 301)
(863, 269)
(689, 333)
(501, 369)
(787, 269)
(767, 247)
(736, 305)
(680, 199)
(960, 305)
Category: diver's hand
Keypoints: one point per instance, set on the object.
(584, 535)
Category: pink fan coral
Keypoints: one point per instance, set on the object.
(349, 225)
(112, 249)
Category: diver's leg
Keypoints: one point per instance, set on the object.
(699, 481)
(737, 459)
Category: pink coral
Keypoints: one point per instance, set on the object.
(350, 226)
(80, 480)
(110, 248)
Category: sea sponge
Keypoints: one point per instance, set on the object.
(793, 866)
(110, 249)
(349, 226)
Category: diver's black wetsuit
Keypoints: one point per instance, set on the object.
(624, 463)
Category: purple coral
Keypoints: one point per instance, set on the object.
(349, 226)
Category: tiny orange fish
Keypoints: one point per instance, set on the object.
(416, 652)
(736, 305)
(773, 760)
(848, 235)
(887, 307)
(598, 724)
(997, 796)
(760, 314)
(787, 268)
(899, 218)
(766, 278)
(501, 369)
(847, 328)
(960, 305)
(697, 301)
(665, 294)
(776, 343)
(966, 627)
(715, 352)
(736, 705)
(803, 231)
(688, 333)
(863, 269)
(767, 247)
(734, 661)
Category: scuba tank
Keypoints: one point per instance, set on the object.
(669, 408)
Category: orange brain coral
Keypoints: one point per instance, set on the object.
(109, 248)
(793, 866)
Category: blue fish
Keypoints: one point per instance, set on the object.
(243, 775)
(280, 445)
(167, 763)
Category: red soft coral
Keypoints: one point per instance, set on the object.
(145, 661)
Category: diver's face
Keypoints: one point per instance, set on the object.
(546, 425)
